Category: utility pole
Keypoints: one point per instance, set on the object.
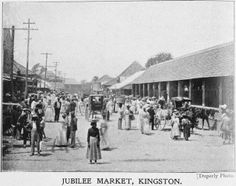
(12, 60)
(56, 74)
(27, 57)
(46, 64)
(12, 55)
(64, 78)
(12, 29)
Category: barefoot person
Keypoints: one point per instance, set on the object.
(93, 139)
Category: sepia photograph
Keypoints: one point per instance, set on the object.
(118, 86)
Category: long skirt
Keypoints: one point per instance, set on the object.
(63, 109)
(120, 123)
(175, 132)
(138, 122)
(127, 122)
(104, 139)
(142, 123)
(146, 126)
(94, 152)
(61, 137)
(49, 114)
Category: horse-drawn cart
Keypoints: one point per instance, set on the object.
(96, 104)
(187, 116)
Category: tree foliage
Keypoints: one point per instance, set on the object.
(38, 69)
(95, 78)
(159, 58)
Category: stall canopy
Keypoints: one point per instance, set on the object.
(125, 84)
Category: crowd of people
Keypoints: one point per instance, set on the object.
(31, 115)
(151, 111)
(29, 120)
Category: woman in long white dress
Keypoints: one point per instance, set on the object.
(49, 113)
(61, 137)
(127, 118)
(146, 116)
(104, 133)
(63, 105)
(139, 112)
(175, 131)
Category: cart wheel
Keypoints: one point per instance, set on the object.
(158, 124)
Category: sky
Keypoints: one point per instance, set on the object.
(98, 38)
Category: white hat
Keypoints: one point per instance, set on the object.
(223, 106)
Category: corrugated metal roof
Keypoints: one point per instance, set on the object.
(111, 82)
(130, 70)
(17, 66)
(212, 62)
(104, 79)
(127, 81)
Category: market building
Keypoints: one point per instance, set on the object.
(205, 76)
(125, 87)
(131, 70)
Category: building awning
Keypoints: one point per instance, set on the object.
(217, 61)
(125, 84)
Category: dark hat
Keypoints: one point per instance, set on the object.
(93, 122)
(64, 115)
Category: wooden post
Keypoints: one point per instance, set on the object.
(153, 89)
(220, 92)
(179, 88)
(140, 89)
(132, 90)
(190, 89)
(203, 92)
(143, 90)
(168, 91)
(148, 89)
(159, 89)
(12, 60)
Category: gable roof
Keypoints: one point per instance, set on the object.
(131, 69)
(111, 82)
(211, 62)
(127, 81)
(104, 79)
(17, 66)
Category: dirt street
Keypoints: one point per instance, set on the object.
(130, 151)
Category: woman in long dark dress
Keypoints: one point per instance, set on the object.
(93, 139)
